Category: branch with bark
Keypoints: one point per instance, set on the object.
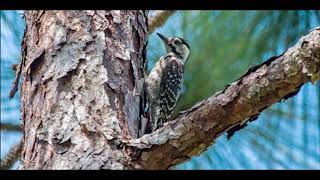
(10, 127)
(261, 86)
(158, 19)
(82, 92)
(13, 155)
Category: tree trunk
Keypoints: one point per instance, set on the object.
(82, 77)
(82, 94)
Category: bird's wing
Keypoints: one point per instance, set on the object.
(170, 88)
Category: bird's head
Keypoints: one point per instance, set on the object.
(176, 45)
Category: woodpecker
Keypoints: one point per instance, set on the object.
(165, 80)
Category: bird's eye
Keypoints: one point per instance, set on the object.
(175, 42)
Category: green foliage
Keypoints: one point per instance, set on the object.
(224, 44)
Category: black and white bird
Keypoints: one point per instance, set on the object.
(165, 80)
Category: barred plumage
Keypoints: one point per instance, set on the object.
(164, 82)
(170, 88)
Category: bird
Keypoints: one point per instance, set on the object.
(164, 82)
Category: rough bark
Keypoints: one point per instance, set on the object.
(156, 21)
(82, 94)
(82, 77)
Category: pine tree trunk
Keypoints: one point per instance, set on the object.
(82, 94)
(82, 77)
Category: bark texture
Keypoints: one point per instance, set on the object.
(82, 94)
(82, 77)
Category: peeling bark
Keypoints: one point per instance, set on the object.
(82, 94)
(81, 86)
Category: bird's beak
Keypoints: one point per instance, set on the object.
(164, 39)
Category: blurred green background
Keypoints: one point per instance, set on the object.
(224, 44)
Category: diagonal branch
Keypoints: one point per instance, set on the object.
(14, 89)
(158, 19)
(10, 127)
(12, 156)
(18, 69)
(229, 110)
